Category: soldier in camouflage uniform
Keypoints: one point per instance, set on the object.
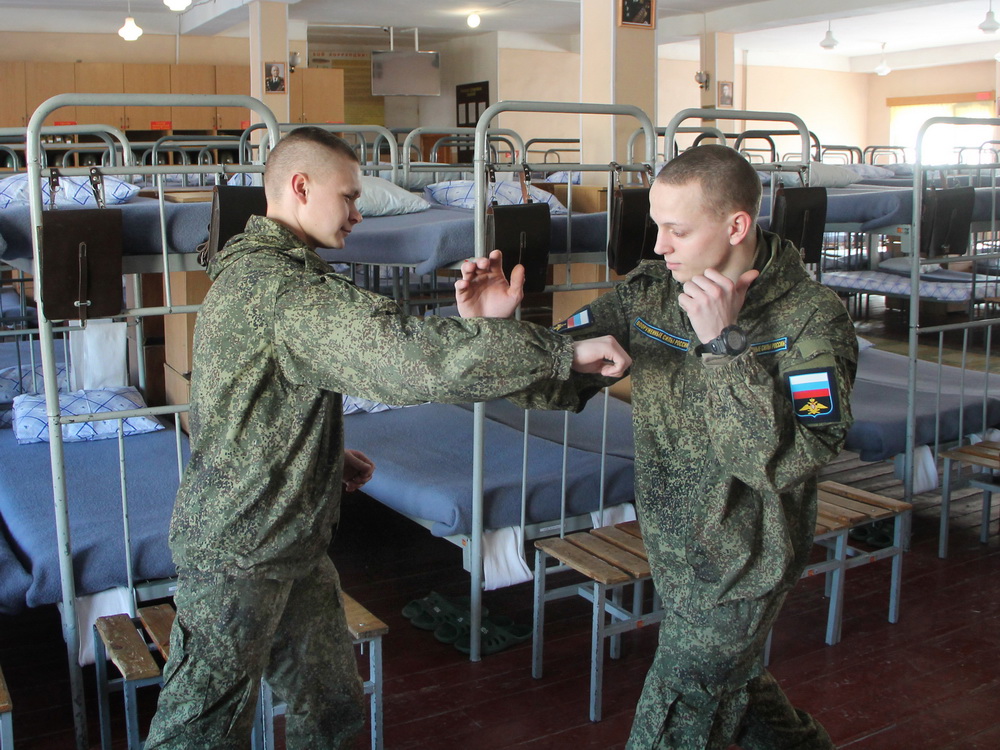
(278, 340)
(741, 377)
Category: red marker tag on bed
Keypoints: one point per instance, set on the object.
(65, 122)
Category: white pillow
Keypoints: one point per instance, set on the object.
(14, 382)
(354, 404)
(864, 343)
(869, 171)
(31, 425)
(830, 175)
(73, 191)
(462, 194)
(379, 197)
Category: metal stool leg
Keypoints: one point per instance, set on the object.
(538, 624)
(6, 731)
(375, 672)
(945, 507)
(262, 737)
(597, 652)
(103, 709)
(984, 532)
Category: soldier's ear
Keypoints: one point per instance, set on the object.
(299, 184)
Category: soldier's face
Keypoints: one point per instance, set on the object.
(330, 211)
(690, 238)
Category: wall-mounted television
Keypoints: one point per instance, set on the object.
(406, 73)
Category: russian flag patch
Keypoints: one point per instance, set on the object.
(575, 322)
(814, 395)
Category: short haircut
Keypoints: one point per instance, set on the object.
(727, 180)
(302, 148)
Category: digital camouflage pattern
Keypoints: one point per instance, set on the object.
(230, 631)
(725, 481)
(279, 338)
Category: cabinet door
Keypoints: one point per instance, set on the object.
(100, 78)
(192, 79)
(46, 79)
(232, 79)
(13, 111)
(142, 78)
(322, 95)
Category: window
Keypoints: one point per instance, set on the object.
(944, 143)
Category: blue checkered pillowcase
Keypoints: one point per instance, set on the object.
(14, 381)
(73, 191)
(31, 423)
(462, 194)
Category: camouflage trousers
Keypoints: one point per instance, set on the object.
(229, 631)
(707, 687)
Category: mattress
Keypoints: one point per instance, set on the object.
(897, 285)
(442, 236)
(880, 397)
(424, 463)
(29, 561)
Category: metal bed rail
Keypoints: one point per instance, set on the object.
(71, 634)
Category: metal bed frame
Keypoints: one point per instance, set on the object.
(46, 329)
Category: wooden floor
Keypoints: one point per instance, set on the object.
(930, 681)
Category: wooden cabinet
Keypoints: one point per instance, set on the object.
(43, 80)
(232, 79)
(316, 95)
(13, 110)
(142, 78)
(192, 79)
(100, 78)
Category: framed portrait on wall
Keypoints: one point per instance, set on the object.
(725, 93)
(274, 77)
(640, 13)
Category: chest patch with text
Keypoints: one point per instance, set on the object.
(814, 395)
(770, 347)
(664, 337)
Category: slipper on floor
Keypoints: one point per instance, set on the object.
(433, 610)
(495, 638)
(449, 632)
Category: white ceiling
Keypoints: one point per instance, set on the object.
(773, 32)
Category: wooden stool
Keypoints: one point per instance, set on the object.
(6, 717)
(364, 628)
(839, 509)
(611, 557)
(120, 639)
(985, 455)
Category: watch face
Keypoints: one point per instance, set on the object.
(735, 340)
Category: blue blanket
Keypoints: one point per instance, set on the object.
(29, 562)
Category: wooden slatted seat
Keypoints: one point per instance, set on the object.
(129, 645)
(611, 558)
(6, 716)
(985, 455)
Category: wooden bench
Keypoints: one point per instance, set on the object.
(611, 557)
(129, 645)
(985, 455)
(6, 716)
(840, 509)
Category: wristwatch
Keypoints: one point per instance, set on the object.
(732, 341)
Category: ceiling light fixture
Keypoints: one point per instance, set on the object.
(177, 5)
(473, 20)
(130, 30)
(990, 23)
(829, 42)
(883, 68)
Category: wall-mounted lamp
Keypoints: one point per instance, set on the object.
(177, 5)
(130, 30)
(702, 78)
(473, 20)
(294, 59)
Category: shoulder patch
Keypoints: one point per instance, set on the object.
(814, 395)
(576, 322)
(664, 337)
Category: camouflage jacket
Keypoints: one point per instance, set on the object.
(277, 342)
(726, 455)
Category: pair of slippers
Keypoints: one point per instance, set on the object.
(877, 534)
(450, 620)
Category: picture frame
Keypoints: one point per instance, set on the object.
(725, 94)
(274, 78)
(638, 13)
